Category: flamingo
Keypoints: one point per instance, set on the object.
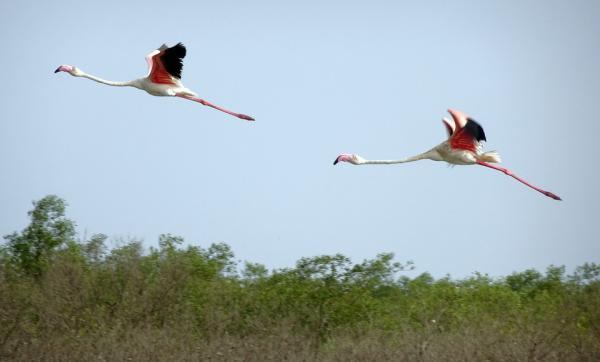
(163, 78)
(463, 147)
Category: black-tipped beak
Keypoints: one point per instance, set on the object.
(57, 70)
(336, 161)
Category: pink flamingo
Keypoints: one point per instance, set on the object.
(163, 79)
(463, 147)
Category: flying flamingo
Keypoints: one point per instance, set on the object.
(463, 147)
(163, 78)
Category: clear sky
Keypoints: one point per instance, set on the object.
(321, 78)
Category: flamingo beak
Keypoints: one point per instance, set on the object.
(343, 157)
(64, 68)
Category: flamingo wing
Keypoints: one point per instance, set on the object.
(460, 119)
(150, 61)
(165, 64)
(450, 126)
(470, 137)
(466, 133)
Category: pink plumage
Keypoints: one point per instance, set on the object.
(163, 78)
(463, 147)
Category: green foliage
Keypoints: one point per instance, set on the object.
(587, 273)
(57, 291)
(49, 229)
(95, 249)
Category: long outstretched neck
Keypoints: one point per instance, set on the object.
(108, 82)
(429, 155)
(509, 173)
(391, 162)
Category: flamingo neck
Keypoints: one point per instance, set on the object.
(132, 83)
(429, 155)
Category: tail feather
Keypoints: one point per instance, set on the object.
(492, 157)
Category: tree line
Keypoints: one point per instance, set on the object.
(69, 298)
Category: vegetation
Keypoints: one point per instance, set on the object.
(68, 299)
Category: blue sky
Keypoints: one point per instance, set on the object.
(321, 78)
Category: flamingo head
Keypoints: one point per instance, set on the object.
(350, 158)
(74, 71)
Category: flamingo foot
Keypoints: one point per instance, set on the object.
(247, 118)
(550, 194)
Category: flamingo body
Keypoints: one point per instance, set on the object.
(463, 147)
(163, 79)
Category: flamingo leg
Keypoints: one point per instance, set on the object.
(206, 103)
(509, 173)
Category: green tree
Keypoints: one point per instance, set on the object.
(31, 250)
(95, 248)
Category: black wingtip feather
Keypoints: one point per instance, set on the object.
(475, 130)
(172, 59)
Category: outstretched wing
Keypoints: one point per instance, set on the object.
(450, 127)
(467, 134)
(470, 137)
(165, 64)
